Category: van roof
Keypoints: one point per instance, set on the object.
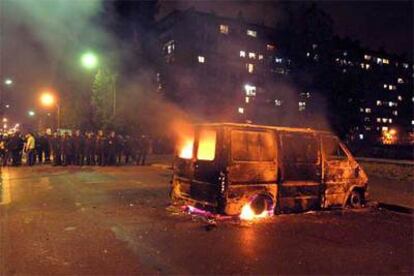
(280, 128)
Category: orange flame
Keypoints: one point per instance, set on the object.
(186, 149)
(206, 145)
(247, 213)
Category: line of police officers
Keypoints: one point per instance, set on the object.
(77, 149)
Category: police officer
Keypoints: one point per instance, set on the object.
(78, 148)
(128, 148)
(111, 148)
(56, 146)
(143, 148)
(90, 148)
(67, 149)
(15, 146)
(100, 148)
(47, 146)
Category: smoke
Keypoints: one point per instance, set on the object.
(42, 42)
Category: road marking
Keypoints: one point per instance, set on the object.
(5, 195)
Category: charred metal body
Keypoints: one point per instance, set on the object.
(272, 168)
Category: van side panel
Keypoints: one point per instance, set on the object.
(252, 167)
(300, 165)
(239, 195)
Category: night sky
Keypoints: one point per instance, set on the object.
(387, 24)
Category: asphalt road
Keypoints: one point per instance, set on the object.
(118, 221)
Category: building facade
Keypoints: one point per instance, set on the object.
(228, 69)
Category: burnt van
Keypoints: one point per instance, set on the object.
(225, 166)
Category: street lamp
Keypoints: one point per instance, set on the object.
(89, 60)
(31, 113)
(8, 82)
(48, 99)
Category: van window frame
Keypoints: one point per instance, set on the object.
(273, 139)
(347, 156)
(197, 142)
(315, 139)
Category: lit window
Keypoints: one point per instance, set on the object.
(278, 60)
(260, 57)
(251, 33)
(385, 61)
(345, 54)
(412, 122)
(242, 54)
(361, 109)
(390, 120)
(361, 136)
(240, 110)
(385, 85)
(400, 80)
(307, 54)
(270, 47)
(379, 60)
(224, 29)
(367, 110)
(302, 106)
(384, 128)
(379, 103)
(367, 57)
(399, 98)
(395, 113)
(367, 66)
(201, 59)
(384, 120)
(390, 104)
(314, 46)
(379, 120)
(169, 47)
(405, 65)
(252, 55)
(250, 67)
(247, 99)
(278, 102)
(250, 90)
(392, 87)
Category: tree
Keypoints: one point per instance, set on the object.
(103, 90)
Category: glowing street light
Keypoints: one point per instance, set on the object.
(31, 113)
(8, 82)
(89, 60)
(47, 99)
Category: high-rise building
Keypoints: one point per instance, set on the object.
(227, 69)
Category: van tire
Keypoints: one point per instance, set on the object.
(355, 199)
(261, 203)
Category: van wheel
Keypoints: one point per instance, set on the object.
(260, 204)
(355, 199)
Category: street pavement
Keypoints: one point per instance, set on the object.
(117, 220)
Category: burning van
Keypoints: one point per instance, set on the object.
(256, 170)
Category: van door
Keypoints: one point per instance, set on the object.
(301, 171)
(204, 184)
(252, 169)
(337, 173)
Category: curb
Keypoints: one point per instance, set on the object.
(395, 208)
(162, 166)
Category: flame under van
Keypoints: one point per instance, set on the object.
(225, 166)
